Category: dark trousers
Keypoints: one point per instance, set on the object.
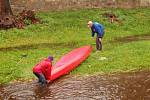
(41, 78)
(98, 43)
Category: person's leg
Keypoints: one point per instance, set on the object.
(37, 75)
(98, 43)
(42, 79)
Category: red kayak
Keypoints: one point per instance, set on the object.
(70, 61)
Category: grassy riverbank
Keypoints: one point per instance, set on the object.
(63, 31)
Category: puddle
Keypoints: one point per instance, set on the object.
(127, 86)
(102, 58)
(133, 38)
(71, 44)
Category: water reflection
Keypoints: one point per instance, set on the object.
(129, 86)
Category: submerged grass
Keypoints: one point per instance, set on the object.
(63, 31)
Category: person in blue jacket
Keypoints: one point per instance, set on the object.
(99, 30)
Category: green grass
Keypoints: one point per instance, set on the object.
(62, 31)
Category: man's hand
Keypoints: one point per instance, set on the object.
(48, 81)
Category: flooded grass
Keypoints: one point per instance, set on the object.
(62, 31)
(127, 86)
(70, 44)
(133, 38)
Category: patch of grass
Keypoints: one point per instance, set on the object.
(63, 31)
(120, 58)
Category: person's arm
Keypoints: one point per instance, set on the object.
(49, 72)
(93, 33)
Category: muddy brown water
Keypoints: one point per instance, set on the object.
(127, 86)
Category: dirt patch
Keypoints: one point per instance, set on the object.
(127, 86)
(133, 38)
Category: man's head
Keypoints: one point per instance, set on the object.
(50, 58)
(90, 23)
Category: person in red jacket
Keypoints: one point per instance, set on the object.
(43, 70)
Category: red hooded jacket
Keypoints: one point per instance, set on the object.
(44, 67)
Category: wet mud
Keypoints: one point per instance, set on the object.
(71, 44)
(127, 86)
(133, 38)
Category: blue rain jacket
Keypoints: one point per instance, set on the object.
(97, 28)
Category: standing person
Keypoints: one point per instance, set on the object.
(43, 70)
(99, 29)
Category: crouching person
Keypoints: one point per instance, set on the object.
(43, 70)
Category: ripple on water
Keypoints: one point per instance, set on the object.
(133, 86)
